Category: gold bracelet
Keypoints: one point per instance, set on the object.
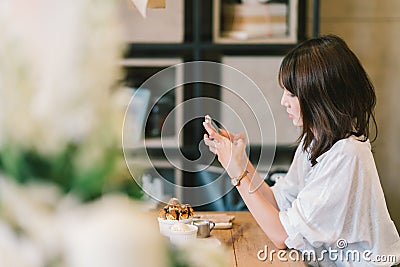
(235, 181)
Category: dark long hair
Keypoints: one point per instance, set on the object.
(336, 96)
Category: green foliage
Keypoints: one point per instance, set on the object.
(27, 166)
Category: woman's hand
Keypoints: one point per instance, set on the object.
(230, 149)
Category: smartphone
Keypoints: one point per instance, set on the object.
(213, 125)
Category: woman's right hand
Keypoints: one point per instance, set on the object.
(230, 149)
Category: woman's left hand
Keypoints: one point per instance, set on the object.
(230, 149)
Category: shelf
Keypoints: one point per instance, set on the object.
(167, 48)
(163, 117)
(150, 62)
(258, 23)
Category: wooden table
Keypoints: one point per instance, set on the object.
(245, 240)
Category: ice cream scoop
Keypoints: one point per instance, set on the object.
(180, 227)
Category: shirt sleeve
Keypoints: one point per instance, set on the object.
(318, 213)
(286, 188)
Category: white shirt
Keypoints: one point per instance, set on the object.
(337, 205)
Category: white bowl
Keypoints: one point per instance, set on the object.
(166, 224)
(180, 237)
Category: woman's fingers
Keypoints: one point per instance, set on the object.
(213, 150)
(207, 140)
(213, 135)
(239, 138)
(229, 148)
(212, 144)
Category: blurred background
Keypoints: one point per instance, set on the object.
(94, 93)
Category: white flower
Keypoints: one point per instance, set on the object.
(39, 226)
(16, 251)
(30, 209)
(200, 251)
(29, 219)
(112, 232)
(59, 62)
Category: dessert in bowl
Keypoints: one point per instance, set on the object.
(174, 212)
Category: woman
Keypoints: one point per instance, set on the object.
(331, 197)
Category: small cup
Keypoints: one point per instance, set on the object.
(204, 227)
